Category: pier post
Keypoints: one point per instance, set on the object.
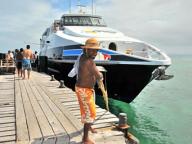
(52, 78)
(123, 126)
(62, 85)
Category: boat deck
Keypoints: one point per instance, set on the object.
(38, 111)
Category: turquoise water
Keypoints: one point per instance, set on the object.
(162, 113)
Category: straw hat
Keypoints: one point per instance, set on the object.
(91, 43)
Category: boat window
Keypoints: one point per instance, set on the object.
(75, 20)
(82, 21)
(85, 21)
(46, 32)
(97, 21)
(68, 20)
(112, 46)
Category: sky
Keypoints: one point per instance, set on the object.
(166, 24)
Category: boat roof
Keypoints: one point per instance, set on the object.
(88, 15)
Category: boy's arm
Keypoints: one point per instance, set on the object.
(97, 73)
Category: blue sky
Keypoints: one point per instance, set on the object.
(165, 24)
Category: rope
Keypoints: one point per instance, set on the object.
(100, 117)
(105, 95)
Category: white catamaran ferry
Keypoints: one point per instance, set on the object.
(130, 64)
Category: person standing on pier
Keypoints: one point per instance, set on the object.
(87, 76)
(36, 59)
(19, 58)
(26, 62)
(9, 56)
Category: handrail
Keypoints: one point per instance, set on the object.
(7, 63)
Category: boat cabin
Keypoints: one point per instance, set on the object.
(82, 20)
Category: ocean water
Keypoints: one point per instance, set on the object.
(162, 113)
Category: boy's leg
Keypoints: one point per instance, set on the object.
(86, 139)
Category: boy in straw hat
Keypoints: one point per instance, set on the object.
(87, 76)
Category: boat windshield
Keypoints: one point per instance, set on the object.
(140, 49)
(82, 21)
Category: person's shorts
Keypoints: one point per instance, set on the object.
(19, 65)
(87, 104)
(26, 64)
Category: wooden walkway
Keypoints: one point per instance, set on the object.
(37, 111)
(7, 110)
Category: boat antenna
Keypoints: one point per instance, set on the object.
(69, 6)
(92, 7)
(80, 7)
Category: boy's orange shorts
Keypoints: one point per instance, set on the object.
(87, 104)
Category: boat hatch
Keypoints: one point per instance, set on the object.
(112, 46)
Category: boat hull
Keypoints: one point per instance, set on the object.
(123, 82)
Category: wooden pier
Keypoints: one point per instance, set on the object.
(7, 110)
(37, 111)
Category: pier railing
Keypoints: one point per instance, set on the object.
(7, 66)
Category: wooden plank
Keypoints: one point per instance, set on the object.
(111, 120)
(64, 96)
(21, 123)
(102, 116)
(6, 87)
(76, 113)
(2, 129)
(46, 129)
(109, 139)
(9, 142)
(32, 124)
(67, 122)
(7, 139)
(102, 125)
(7, 125)
(70, 106)
(70, 103)
(7, 120)
(6, 92)
(56, 125)
(3, 100)
(7, 110)
(7, 133)
(2, 96)
(4, 115)
(6, 104)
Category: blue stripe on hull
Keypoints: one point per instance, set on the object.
(75, 52)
